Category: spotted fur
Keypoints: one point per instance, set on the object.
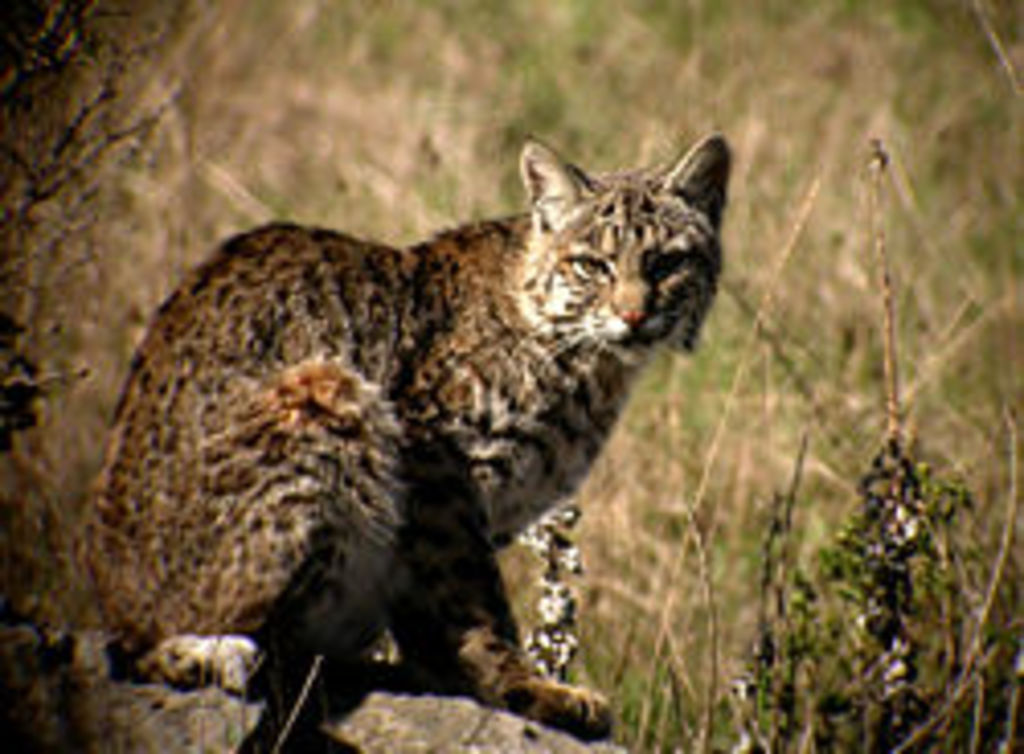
(322, 438)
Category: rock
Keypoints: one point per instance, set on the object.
(401, 724)
(57, 695)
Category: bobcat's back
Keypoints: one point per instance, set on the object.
(267, 359)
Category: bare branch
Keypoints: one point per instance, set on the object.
(997, 46)
(878, 164)
(300, 702)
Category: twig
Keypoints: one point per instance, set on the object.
(708, 589)
(979, 711)
(1014, 709)
(997, 46)
(773, 632)
(663, 646)
(878, 163)
(781, 608)
(300, 702)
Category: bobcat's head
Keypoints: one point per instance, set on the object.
(627, 260)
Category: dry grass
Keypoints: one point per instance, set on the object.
(394, 119)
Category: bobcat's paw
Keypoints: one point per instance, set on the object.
(189, 661)
(581, 712)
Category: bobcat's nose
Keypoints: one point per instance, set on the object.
(633, 317)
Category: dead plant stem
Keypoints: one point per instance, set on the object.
(300, 702)
(997, 46)
(878, 165)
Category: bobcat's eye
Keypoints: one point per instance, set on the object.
(658, 266)
(590, 268)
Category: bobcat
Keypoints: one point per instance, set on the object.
(324, 438)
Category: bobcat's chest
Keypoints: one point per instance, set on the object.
(528, 433)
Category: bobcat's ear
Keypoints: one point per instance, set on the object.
(554, 186)
(701, 177)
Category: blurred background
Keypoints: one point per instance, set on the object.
(138, 135)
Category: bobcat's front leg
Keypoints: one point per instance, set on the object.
(454, 625)
(504, 677)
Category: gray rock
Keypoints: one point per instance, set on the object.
(397, 724)
(57, 695)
